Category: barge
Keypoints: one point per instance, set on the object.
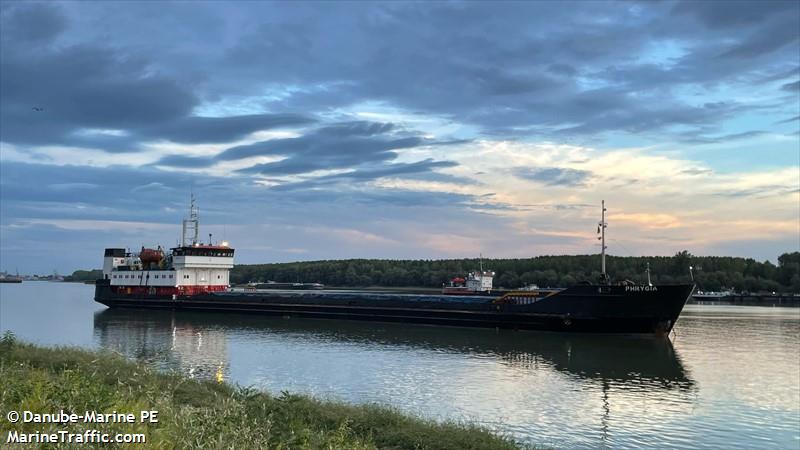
(195, 276)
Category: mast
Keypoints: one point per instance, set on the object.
(601, 229)
(481, 267)
(191, 225)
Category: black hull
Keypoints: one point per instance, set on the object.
(594, 309)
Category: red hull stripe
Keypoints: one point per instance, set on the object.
(166, 290)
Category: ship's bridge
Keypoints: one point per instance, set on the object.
(203, 250)
(202, 256)
(202, 265)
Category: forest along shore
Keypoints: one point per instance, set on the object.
(204, 414)
(710, 273)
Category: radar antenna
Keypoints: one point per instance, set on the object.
(191, 226)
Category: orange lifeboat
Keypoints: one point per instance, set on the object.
(150, 256)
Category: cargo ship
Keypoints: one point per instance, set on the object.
(195, 276)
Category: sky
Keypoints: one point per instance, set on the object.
(399, 129)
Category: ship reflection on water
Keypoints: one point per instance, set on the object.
(524, 384)
(162, 342)
(197, 343)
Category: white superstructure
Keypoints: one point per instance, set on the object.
(480, 281)
(192, 268)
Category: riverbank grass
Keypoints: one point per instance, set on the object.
(202, 414)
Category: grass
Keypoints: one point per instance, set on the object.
(203, 414)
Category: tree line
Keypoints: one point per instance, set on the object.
(85, 275)
(711, 273)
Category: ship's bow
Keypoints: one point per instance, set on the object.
(671, 300)
(618, 308)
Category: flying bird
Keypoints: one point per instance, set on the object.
(37, 109)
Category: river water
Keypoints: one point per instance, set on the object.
(729, 377)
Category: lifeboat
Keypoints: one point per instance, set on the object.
(150, 256)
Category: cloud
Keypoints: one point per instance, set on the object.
(51, 94)
(732, 13)
(554, 176)
(697, 171)
(784, 32)
(598, 76)
(339, 145)
(789, 120)
(397, 169)
(657, 221)
(195, 129)
(791, 87)
(32, 23)
(696, 139)
(186, 162)
(762, 191)
(126, 193)
(81, 87)
(333, 147)
(422, 170)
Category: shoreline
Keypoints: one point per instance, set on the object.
(196, 413)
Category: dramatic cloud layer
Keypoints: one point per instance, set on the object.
(325, 130)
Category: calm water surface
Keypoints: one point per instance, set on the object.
(730, 378)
